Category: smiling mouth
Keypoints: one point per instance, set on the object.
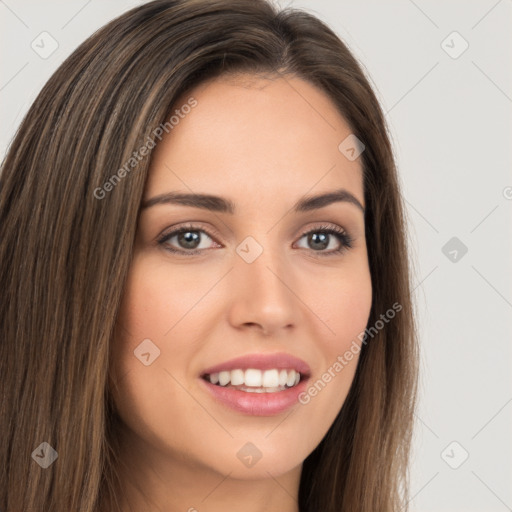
(253, 380)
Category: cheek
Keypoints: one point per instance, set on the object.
(351, 310)
(343, 303)
(344, 307)
(150, 304)
(162, 303)
(147, 396)
(137, 354)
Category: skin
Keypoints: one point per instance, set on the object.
(263, 143)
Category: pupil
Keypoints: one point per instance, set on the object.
(189, 238)
(323, 236)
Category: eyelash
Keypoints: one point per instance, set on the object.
(344, 238)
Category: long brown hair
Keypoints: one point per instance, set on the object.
(65, 252)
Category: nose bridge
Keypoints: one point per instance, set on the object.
(262, 291)
(260, 264)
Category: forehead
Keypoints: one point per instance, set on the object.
(257, 137)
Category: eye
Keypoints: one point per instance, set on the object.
(320, 238)
(190, 240)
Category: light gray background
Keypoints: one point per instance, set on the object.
(451, 120)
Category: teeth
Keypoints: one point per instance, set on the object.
(253, 378)
(254, 390)
(270, 378)
(224, 378)
(291, 378)
(237, 377)
(267, 381)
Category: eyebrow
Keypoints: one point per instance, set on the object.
(224, 205)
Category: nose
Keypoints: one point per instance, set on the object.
(263, 298)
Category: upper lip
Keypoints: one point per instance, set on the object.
(262, 361)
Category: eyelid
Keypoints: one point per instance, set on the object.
(324, 226)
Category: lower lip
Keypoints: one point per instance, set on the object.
(257, 404)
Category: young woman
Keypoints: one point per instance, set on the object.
(205, 275)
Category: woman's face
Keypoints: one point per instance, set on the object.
(247, 283)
